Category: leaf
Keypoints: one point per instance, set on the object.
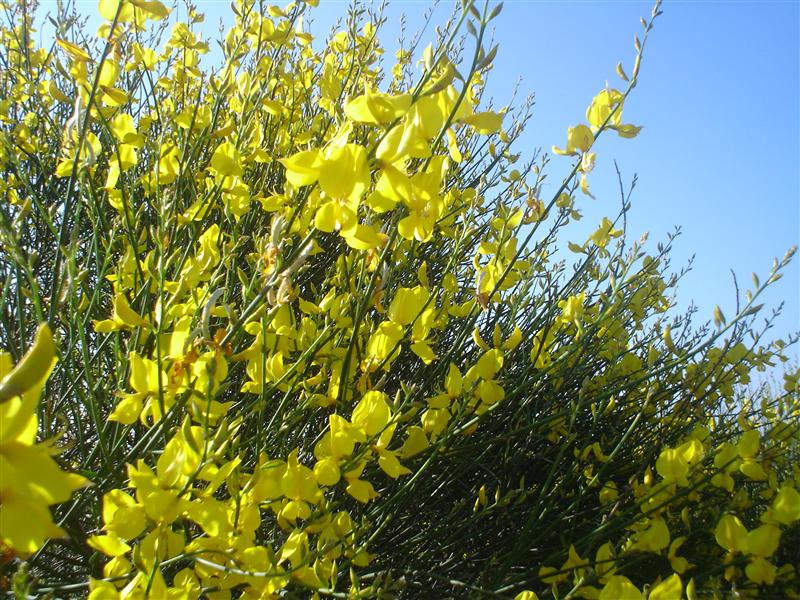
(621, 72)
(487, 60)
(495, 11)
(719, 317)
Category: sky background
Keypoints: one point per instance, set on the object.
(719, 100)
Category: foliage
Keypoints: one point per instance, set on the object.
(313, 333)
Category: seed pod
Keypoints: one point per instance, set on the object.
(495, 11)
(621, 72)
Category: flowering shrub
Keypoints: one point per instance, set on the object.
(312, 334)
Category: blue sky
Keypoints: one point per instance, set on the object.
(720, 151)
(718, 97)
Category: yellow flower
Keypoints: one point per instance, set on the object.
(124, 317)
(579, 139)
(226, 160)
(602, 236)
(763, 541)
(606, 103)
(572, 309)
(674, 464)
(731, 534)
(144, 379)
(669, 589)
(653, 539)
(169, 165)
(620, 588)
(30, 480)
(372, 413)
(786, 505)
(485, 123)
(760, 571)
(377, 108)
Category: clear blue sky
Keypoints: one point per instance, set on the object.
(720, 151)
(718, 96)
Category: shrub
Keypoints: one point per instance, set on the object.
(314, 338)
